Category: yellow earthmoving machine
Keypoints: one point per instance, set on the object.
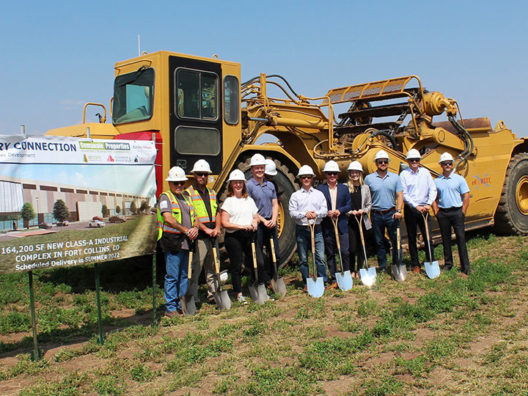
(196, 107)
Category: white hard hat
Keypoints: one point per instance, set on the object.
(201, 166)
(413, 154)
(237, 174)
(355, 165)
(176, 174)
(257, 159)
(446, 157)
(271, 168)
(382, 154)
(331, 166)
(306, 170)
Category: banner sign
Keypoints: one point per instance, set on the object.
(65, 150)
(69, 201)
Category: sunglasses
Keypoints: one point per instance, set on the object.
(306, 177)
(331, 173)
(201, 174)
(382, 162)
(414, 160)
(179, 183)
(446, 163)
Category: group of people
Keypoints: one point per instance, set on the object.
(192, 219)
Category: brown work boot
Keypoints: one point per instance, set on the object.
(416, 269)
(333, 285)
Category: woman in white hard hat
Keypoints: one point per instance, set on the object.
(240, 219)
(361, 204)
(176, 228)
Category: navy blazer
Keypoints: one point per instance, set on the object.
(343, 204)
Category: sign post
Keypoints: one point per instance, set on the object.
(36, 353)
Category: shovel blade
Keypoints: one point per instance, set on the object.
(222, 300)
(403, 271)
(258, 294)
(432, 269)
(344, 280)
(368, 276)
(188, 305)
(278, 286)
(396, 273)
(315, 287)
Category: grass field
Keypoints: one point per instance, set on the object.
(452, 335)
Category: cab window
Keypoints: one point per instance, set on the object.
(196, 94)
(231, 100)
(196, 141)
(133, 96)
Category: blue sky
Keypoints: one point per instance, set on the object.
(57, 55)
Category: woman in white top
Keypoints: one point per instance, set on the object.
(239, 217)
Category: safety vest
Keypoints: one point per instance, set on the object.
(199, 205)
(176, 213)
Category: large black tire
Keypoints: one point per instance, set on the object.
(285, 181)
(512, 213)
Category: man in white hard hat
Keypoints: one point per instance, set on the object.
(338, 203)
(270, 171)
(265, 197)
(205, 207)
(387, 204)
(419, 193)
(176, 229)
(450, 208)
(308, 205)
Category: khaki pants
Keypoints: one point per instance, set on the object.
(203, 258)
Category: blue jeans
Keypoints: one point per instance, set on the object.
(175, 279)
(304, 238)
(380, 222)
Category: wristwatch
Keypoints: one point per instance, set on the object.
(398, 210)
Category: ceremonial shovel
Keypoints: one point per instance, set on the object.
(432, 268)
(344, 279)
(315, 284)
(277, 283)
(188, 303)
(221, 297)
(257, 291)
(367, 274)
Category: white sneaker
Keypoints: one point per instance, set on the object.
(242, 300)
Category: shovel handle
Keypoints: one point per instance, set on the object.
(336, 231)
(254, 252)
(359, 221)
(189, 265)
(272, 247)
(215, 258)
(425, 217)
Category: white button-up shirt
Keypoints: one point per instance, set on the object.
(418, 187)
(303, 201)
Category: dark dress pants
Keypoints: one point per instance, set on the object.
(453, 218)
(380, 222)
(413, 220)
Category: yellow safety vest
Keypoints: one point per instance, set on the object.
(176, 213)
(199, 205)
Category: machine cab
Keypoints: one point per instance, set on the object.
(192, 102)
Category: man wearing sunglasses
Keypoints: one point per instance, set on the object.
(419, 193)
(205, 206)
(263, 193)
(339, 204)
(450, 209)
(176, 228)
(308, 206)
(387, 203)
